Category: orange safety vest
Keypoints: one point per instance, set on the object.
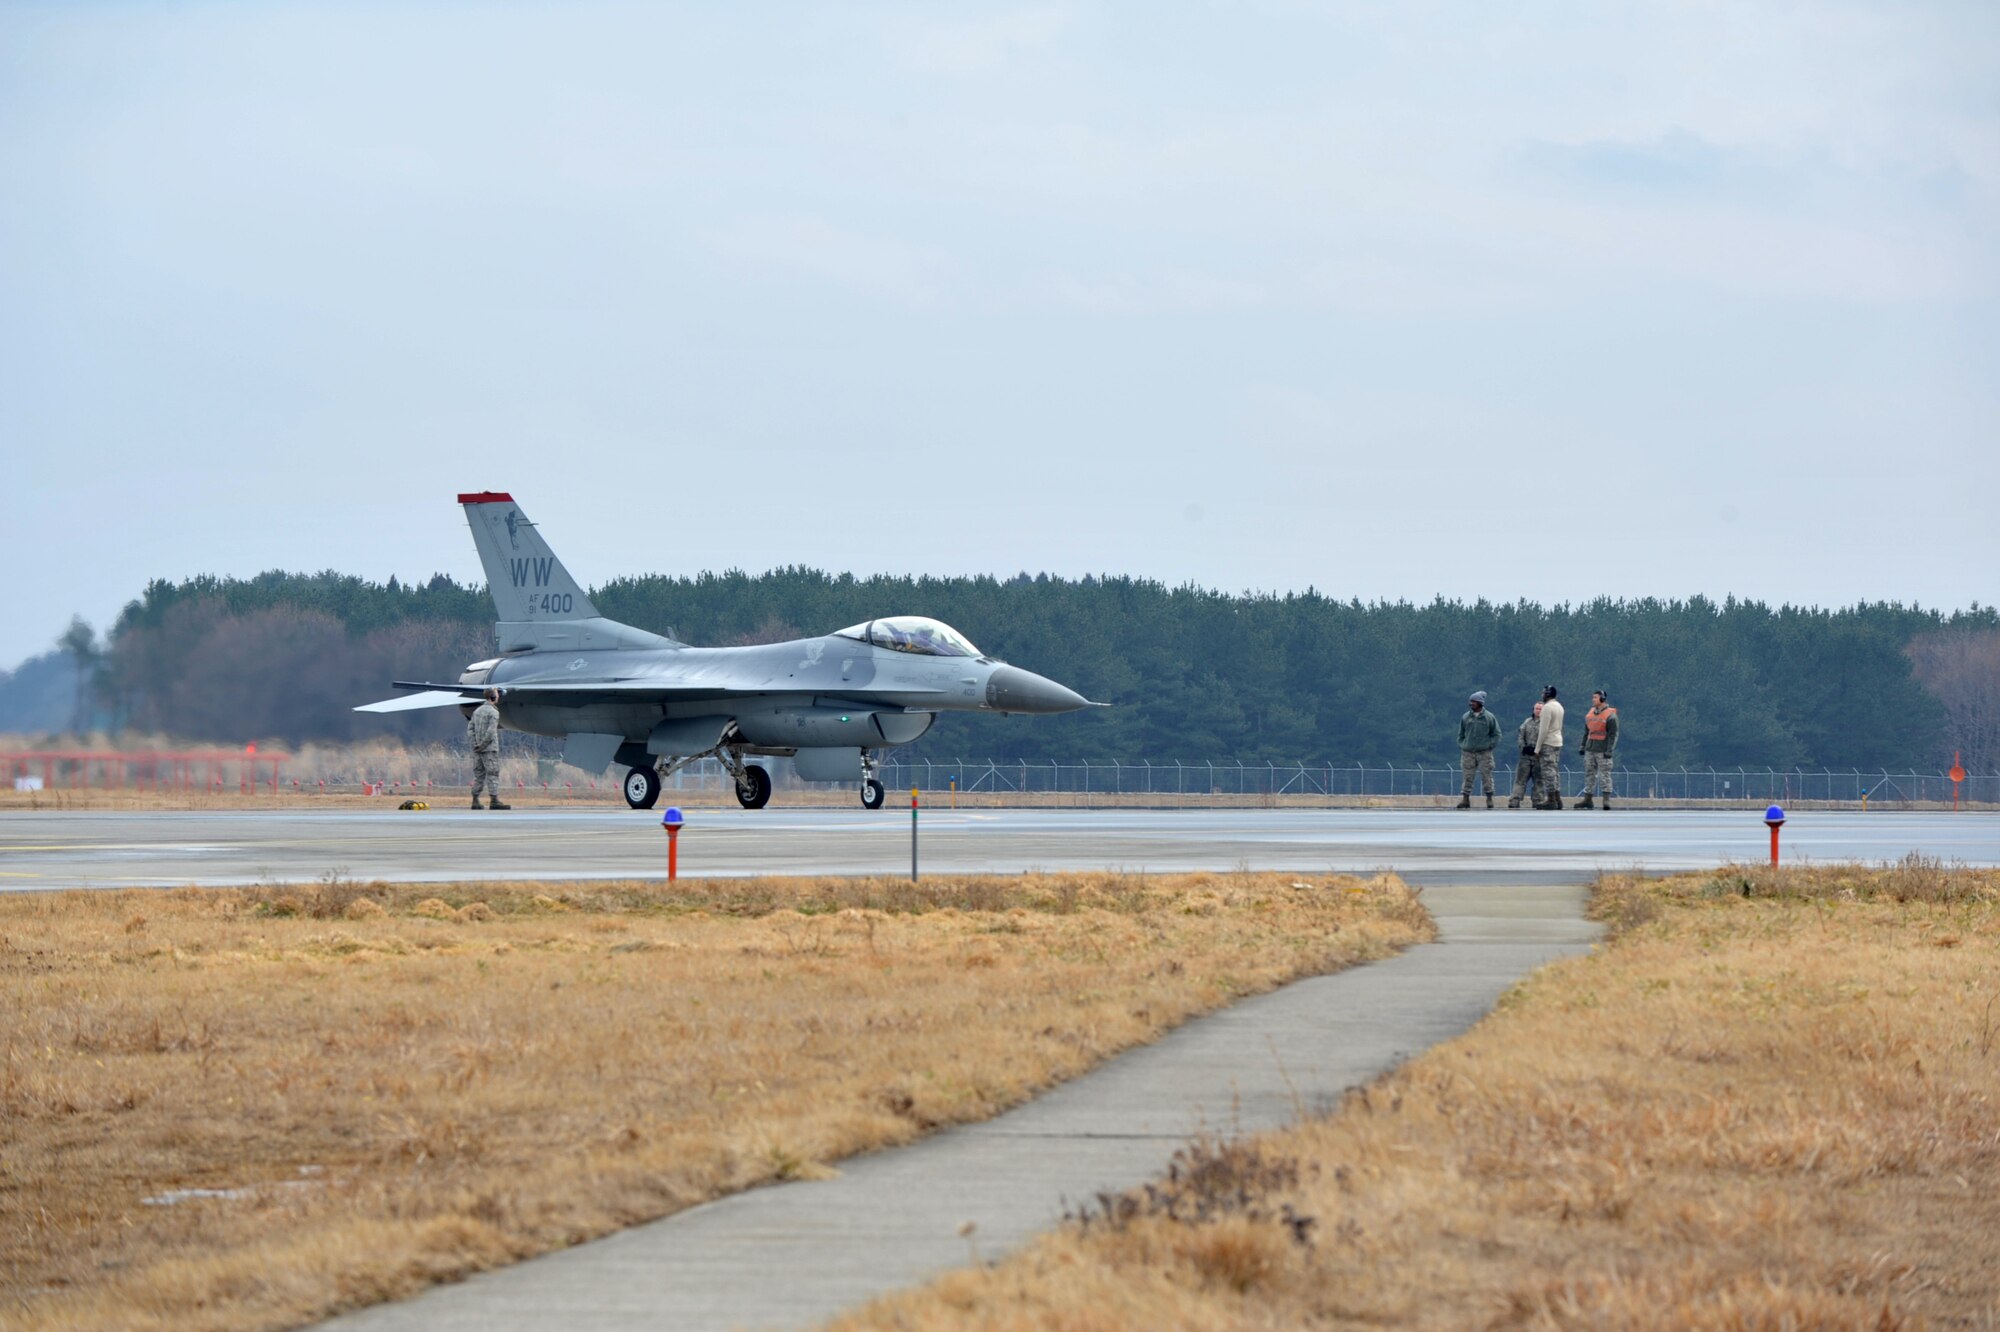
(1594, 721)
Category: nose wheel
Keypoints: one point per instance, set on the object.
(642, 788)
(871, 794)
(753, 787)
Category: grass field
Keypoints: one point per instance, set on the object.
(1771, 1101)
(244, 1109)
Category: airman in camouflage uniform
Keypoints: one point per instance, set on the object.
(483, 730)
(1528, 771)
(1478, 734)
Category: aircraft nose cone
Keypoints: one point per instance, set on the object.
(1011, 689)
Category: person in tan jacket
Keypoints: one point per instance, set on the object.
(1549, 750)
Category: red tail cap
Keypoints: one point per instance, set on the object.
(487, 497)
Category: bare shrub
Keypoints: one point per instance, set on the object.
(1209, 1180)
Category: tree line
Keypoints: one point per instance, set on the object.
(1193, 673)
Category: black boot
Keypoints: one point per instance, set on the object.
(1606, 804)
(1464, 801)
(497, 805)
(1554, 802)
(1513, 802)
(475, 802)
(1489, 800)
(1585, 803)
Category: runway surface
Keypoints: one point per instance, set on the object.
(96, 849)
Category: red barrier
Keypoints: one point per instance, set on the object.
(141, 769)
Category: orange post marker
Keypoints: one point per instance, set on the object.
(671, 821)
(1774, 818)
(1957, 775)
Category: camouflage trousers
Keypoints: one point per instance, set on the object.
(1596, 769)
(1550, 759)
(486, 772)
(1476, 762)
(1527, 777)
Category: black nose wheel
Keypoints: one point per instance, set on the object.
(871, 794)
(754, 791)
(642, 788)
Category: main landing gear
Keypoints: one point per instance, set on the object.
(753, 784)
(642, 788)
(753, 781)
(753, 788)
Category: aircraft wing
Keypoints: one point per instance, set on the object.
(576, 692)
(430, 698)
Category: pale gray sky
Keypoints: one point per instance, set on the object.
(1543, 300)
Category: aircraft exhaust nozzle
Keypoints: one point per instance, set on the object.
(1011, 689)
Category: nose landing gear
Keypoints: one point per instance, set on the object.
(871, 788)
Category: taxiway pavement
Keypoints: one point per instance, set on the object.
(800, 1253)
(104, 849)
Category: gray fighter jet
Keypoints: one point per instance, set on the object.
(653, 705)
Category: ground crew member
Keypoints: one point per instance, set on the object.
(483, 730)
(1549, 750)
(1527, 771)
(1478, 733)
(1600, 741)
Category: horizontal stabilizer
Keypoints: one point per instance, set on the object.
(430, 698)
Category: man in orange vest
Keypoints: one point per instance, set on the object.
(1600, 741)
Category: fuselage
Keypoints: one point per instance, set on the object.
(833, 690)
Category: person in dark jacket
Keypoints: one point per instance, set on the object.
(1478, 734)
(1528, 772)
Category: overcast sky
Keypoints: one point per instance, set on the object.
(1393, 299)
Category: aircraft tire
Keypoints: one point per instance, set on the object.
(871, 794)
(759, 792)
(642, 788)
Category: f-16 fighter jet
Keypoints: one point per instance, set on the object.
(653, 705)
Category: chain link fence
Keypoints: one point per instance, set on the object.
(1237, 779)
(530, 765)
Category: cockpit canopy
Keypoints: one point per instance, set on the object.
(915, 634)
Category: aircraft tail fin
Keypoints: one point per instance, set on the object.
(540, 605)
(526, 579)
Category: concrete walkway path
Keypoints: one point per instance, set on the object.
(799, 1253)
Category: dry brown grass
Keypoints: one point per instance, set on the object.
(394, 1085)
(1773, 1110)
